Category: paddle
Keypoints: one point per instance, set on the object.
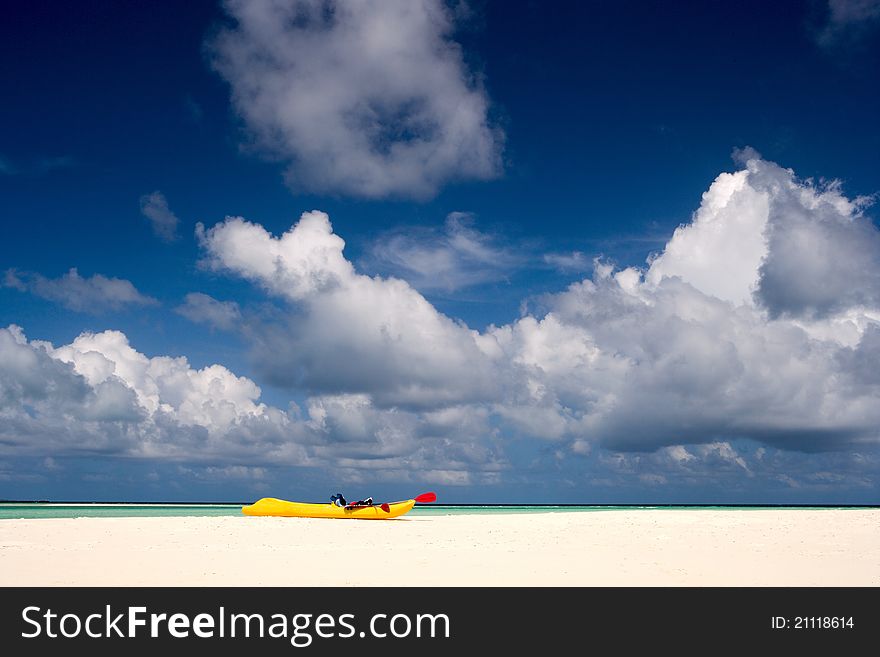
(423, 498)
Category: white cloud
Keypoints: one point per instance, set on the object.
(712, 342)
(722, 450)
(368, 98)
(678, 453)
(720, 250)
(717, 339)
(461, 256)
(698, 363)
(346, 332)
(639, 369)
(202, 308)
(95, 294)
(164, 222)
(45, 404)
(823, 255)
(307, 260)
(100, 396)
(761, 235)
(212, 397)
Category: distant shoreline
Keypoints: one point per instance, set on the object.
(54, 510)
(638, 505)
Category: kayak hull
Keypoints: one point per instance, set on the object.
(270, 506)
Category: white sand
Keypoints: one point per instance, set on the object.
(614, 548)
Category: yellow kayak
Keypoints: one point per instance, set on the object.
(269, 506)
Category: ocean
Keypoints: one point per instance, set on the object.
(31, 510)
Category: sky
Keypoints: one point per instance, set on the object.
(514, 252)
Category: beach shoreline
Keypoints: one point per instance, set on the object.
(824, 547)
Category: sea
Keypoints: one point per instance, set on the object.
(33, 510)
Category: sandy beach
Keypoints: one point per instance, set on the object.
(605, 548)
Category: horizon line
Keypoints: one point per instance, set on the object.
(482, 504)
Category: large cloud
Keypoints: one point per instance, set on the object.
(798, 249)
(347, 332)
(100, 396)
(715, 357)
(746, 326)
(636, 367)
(30, 378)
(750, 324)
(368, 98)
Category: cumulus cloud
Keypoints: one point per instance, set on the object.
(43, 397)
(100, 396)
(716, 340)
(719, 338)
(164, 222)
(205, 309)
(794, 247)
(95, 294)
(714, 357)
(460, 256)
(643, 368)
(823, 255)
(347, 332)
(369, 99)
(720, 250)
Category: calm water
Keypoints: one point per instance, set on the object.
(9, 510)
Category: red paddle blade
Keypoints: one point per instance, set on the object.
(426, 497)
(385, 508)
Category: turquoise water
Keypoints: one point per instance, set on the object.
(39, 510)
(11, 510)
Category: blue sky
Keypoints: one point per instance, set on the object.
(514, 316)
